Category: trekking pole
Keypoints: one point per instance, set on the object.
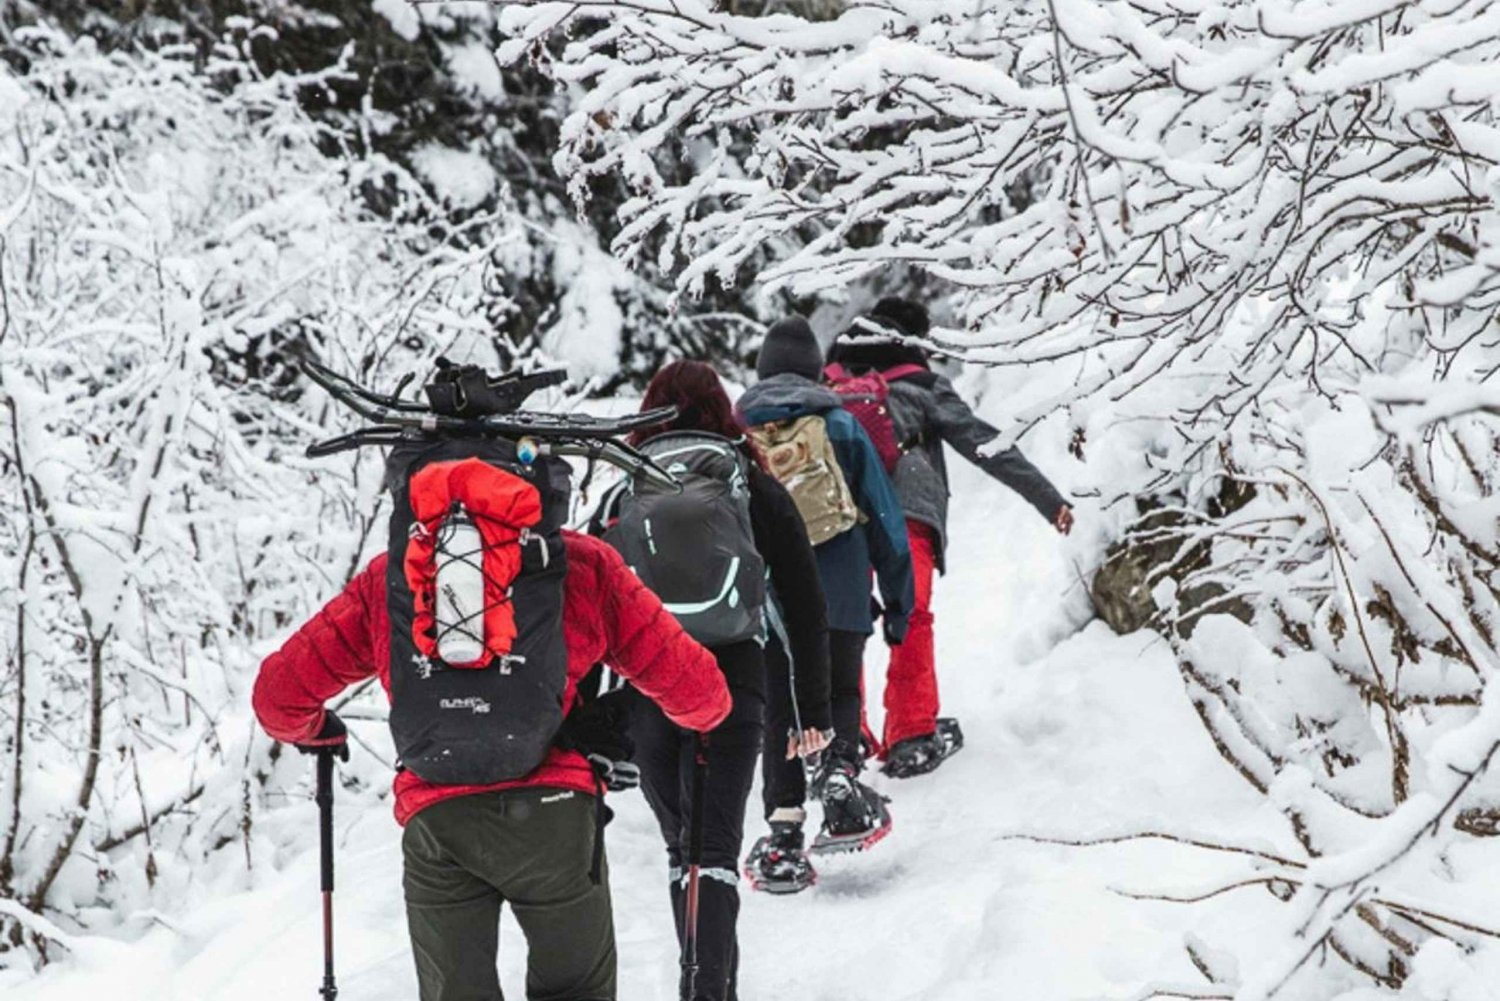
(330, 990)
(809, 762)
(695, 862)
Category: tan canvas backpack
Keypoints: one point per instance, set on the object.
(801, 456)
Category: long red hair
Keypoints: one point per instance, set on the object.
(694, 388)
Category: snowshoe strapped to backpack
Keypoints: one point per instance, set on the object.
(695, 548)
(801, 456)
(864, 395)
(476, 572)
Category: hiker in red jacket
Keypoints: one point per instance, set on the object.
(530, 841)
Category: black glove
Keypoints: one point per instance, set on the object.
(893, 629)
(599, 729)
(617, 776)
(332, 735)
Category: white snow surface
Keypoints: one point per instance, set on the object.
(1071, 733)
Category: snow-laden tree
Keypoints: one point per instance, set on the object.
(174, 233)
(1251, 249)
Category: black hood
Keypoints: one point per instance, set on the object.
(856, 349)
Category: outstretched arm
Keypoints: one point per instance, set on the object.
(960, 427)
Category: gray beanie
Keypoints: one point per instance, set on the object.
(790, 346)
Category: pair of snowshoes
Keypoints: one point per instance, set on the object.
(920, 755)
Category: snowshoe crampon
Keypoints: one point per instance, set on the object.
(855, 816)
(920, 755)
(777, 864)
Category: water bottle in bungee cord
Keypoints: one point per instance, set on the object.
(459, 608)
(474, 591)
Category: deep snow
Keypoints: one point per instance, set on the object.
(1070, 732)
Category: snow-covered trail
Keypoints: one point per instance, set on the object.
(1077, 734)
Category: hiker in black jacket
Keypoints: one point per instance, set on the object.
(847, 494)
(927, 413)
(695, 443)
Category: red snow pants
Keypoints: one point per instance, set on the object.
(911, 690)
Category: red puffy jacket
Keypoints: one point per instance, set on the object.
(608, 615)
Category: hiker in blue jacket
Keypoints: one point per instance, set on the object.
(790, 366)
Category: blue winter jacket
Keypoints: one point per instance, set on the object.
(844, 561)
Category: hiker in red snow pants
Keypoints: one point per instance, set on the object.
(911, 690)
(529, 842)
(926, 412)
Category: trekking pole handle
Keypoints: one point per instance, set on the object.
(324, 800)
(700, 781)
(329, 991)
(695, 861)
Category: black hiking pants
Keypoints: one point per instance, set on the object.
(785, 786)
(466, 856)
(666, 755)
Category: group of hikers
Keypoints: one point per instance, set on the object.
(694, 630)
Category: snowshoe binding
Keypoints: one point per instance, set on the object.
(920, 755)
(855, 816)
(777, 864)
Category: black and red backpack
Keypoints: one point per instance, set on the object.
(493, 719)
(865, 395)
(480, 492)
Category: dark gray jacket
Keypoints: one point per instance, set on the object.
(928, 412)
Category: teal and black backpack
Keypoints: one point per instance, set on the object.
(695, 548)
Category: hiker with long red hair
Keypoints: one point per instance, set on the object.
(708, 551)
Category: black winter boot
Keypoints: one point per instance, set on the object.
(920, 755)
(777, 863)
(854, 815)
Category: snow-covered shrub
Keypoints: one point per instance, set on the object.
(175, 233)
(1252, 250)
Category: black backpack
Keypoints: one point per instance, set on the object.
(492, 722)
(695, 548)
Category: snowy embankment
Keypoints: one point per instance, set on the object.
(1071, 734)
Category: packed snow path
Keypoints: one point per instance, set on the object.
(1070, 733)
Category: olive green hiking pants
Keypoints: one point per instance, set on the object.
(531, 848)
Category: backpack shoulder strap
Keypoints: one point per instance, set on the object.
(901, 372)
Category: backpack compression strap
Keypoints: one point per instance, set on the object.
(902, 371)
